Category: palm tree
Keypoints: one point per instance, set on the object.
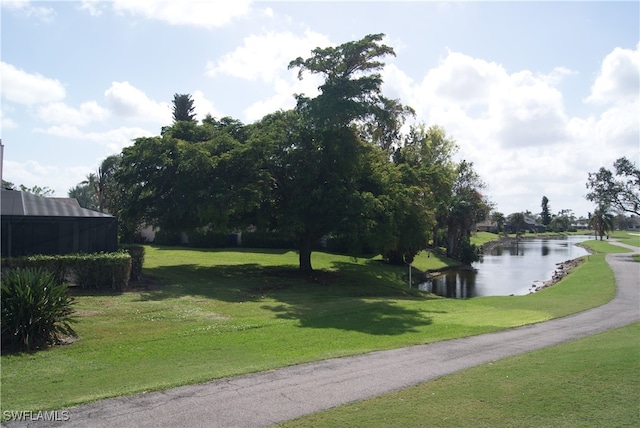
(601, 221)
(85, 194)
(498, 219)
(183, 109)
(103, 181)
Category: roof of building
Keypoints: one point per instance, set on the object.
(15, 203)
(72, 201)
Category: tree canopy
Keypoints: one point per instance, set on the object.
(619, 190)
(337, 165)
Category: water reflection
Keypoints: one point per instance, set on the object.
(454, 284)
(508, 269)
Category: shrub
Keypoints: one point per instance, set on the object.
(137, 260)
(97, 270)
(102, 270)
(56, 265)
(36, 309)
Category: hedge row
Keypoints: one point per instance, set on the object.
(99, 270)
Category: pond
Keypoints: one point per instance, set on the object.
(511, 269)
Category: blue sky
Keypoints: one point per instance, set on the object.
(536, 94)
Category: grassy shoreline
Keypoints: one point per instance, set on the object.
(224, 313)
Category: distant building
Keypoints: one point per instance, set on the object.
(530, 226)
(487, 226)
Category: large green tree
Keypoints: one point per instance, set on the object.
(428, 153)
(619, 190)
(312, 160)
(466, 207)
(176, 185)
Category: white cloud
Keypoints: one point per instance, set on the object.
(25, 7)
(114, 140)
(93, 7)
(33, 173)
(207, 14)
(514, 127)
(557, 75)
(6, 123)
(266, 57)
(619, 78)
(481, 100)
(284, 99)
(60, 113)
(203, 106)
(618, 130)
(28, 88)
(529, 112)
(129, 102)
(463, 80)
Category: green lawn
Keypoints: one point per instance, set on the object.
(586, 383)
(223, 313)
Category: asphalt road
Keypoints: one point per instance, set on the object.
(262, 399)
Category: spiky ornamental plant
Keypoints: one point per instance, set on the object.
(36, 310)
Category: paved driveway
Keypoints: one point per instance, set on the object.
(262, 399)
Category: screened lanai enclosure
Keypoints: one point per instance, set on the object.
(37, 225)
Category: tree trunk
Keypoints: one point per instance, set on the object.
(452, 235)
(305, 255)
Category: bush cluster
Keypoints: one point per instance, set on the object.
(99, 270)
(36, 309)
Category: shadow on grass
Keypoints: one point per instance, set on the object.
(224, 282)
(350, 296)
(375, 318)
(363, 298)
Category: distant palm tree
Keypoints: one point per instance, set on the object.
(601, 221)
(183, 109)
(103, 181)
(498, 219)
(84, 193)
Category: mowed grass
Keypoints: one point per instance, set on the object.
(590, 382)
(222, 313)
